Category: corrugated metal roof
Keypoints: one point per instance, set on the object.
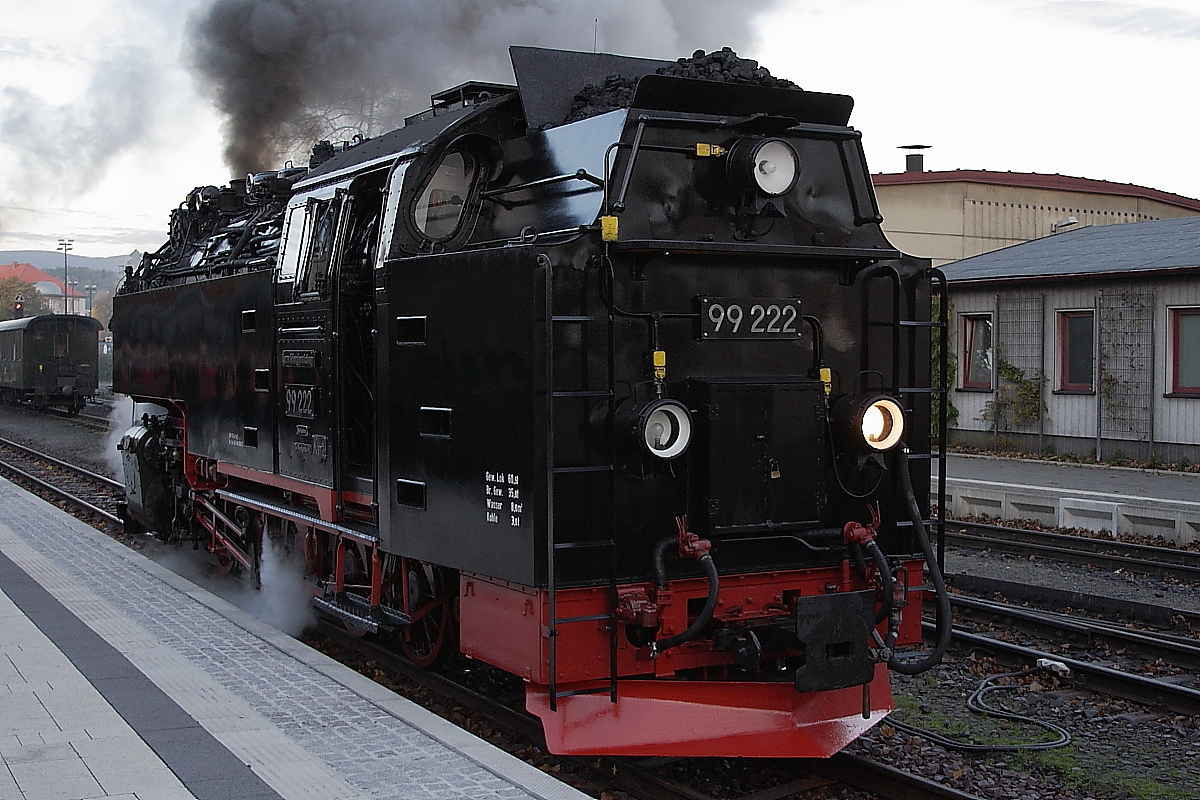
(1162, 244)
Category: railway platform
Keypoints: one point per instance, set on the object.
(1095, 497)
(121, 679)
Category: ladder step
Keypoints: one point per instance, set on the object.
(584, 393)
(570, 545)
(907, 523)
(588, 618)
(913, 323)
(578, 318)
(598, 468)
(923, 456)
(920, 390)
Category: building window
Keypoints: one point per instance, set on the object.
(977, 351)
(1185, 350)
(1077, 347)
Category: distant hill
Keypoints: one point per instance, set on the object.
(47, 261)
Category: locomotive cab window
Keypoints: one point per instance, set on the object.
(439, 208)
(323, 216)
(291, 253)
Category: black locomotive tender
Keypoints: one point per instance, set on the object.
(622, 405)
(49, 361)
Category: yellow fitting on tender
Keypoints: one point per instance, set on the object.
(827, 379)
(660, 365)
(705, 150)
(608, 228)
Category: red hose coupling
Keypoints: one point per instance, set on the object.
(691, 545)
(857, 533)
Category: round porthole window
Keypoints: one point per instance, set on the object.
(439, 208)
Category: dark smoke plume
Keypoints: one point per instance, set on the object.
(288, 72)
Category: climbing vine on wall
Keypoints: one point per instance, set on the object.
(1018, 398)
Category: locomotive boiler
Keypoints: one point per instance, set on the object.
(622, 390)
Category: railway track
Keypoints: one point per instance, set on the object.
(96, 421)
(1125, 663)
(93, 421)
(644, 779)
(652, 779)
(649, 778)
(83, 490)
(1157, 562)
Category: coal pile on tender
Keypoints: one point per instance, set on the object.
(720, 65)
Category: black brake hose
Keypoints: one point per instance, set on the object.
(710, 605)
(885, 579)
(944, 614)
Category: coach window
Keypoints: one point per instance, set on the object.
(977, 351)
(1076, 354)
(1185, 351)
(439, 208)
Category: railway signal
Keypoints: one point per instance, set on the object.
(18, 307)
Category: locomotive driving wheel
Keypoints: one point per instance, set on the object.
(428, 594)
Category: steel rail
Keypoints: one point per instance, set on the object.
(107, 481)
(1157, 616)
(92, 421)
(1066, 551)
(1167, 555)
(888, 781)
(1179, 651)
(61, 493)
(1138, 688)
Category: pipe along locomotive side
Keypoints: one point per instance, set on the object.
(621, 405)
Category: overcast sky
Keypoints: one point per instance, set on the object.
(104, 128)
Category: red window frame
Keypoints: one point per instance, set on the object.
(1064, 384)
(969, 322)
(1176, 387)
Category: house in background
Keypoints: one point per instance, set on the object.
(955, 214)
(1087, 341)
(49, 287)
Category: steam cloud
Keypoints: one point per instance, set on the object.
(62, 150)
(289, 72)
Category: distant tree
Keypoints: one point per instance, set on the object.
(10, 288)
(102, 309)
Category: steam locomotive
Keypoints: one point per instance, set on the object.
(635, 406)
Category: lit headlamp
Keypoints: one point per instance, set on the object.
(871, 422)
(768, 166)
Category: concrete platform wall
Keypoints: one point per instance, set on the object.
(1176, 520)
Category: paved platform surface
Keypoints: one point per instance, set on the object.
(120, 679)
(1076, 477)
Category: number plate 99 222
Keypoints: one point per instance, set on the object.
(750, 318)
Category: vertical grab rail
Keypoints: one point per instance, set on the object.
(939, 277)
(543, 261)
(898, 324)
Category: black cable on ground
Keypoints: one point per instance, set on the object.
(976, 703)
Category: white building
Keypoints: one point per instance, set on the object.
(1087, 341)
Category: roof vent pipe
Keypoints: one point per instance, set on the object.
(914, 160)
